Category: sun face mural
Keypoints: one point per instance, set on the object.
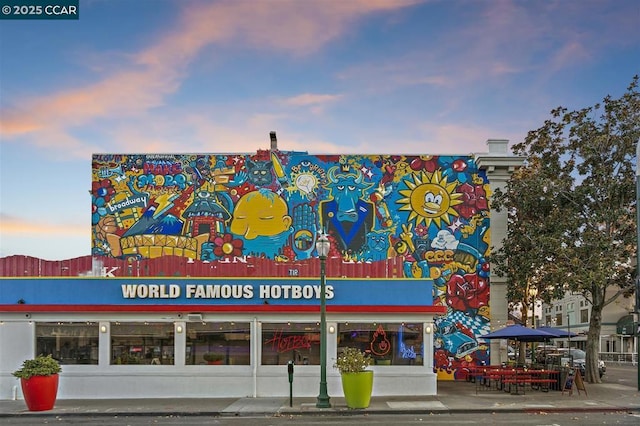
(431, 212)
(429, 198)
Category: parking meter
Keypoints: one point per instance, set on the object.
(290, 371)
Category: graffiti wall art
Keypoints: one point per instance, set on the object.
(431, 211)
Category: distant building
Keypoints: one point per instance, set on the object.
(617, 336)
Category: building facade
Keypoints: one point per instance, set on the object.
(618, 334)
(204, 274)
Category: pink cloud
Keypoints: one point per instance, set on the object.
(431, 137)
(21, 227)
(449, 138)
(568, 54)
(306, 99)
(156, 72)
(283, 25)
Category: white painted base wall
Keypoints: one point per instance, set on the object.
(78, 385)
(105, 381)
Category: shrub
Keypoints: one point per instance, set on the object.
(42, 365)
(211, 357)
(352, 360)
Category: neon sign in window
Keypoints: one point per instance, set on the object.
(284, 342)
(388, 343)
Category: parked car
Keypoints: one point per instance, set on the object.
(512, 353)
(575, 358)
(543, 350)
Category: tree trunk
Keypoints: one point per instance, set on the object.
(522, 352)
(593, 340)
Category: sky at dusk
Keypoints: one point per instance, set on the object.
(329, 76)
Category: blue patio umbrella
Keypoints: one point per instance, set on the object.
(558, 332)
(520, 333)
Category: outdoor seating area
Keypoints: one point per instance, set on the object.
(513, 379)
(516, 378)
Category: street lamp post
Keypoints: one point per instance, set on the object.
(569, 330)
(323, 246)
(637, 307)
(569, 338)
(533, 293)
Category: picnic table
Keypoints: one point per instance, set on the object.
(511, 379)
(537, 379)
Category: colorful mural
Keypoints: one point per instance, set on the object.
(432, 211)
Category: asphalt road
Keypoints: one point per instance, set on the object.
(621, 374)
(537, 419)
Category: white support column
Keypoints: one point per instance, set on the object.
(104, 344)
(499, 166)
(180, 343)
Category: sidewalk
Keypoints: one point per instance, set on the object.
(452, 397)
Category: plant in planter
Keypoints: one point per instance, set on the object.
(357, 381)
(127, 359)
(213, 359)
(39, 382)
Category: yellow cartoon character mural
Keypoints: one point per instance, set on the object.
(261, 218)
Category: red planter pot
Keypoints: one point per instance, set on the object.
(40, 392)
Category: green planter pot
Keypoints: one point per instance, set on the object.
(357, 388)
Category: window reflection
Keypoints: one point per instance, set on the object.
(148, 343)
(218, 343)
(68, 342)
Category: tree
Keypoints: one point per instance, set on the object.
(571, 210)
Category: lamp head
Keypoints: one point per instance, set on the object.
(323, 245)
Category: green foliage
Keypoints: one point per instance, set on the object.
(127, 359)
(211, 357)
(571, 209)
(39, 366)
(352, 360)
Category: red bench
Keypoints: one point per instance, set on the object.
(535, 382)
(543, 384)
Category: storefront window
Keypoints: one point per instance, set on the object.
(225, 343)
(69, 342)
(284, 342)
(142, 343)
(388, 343)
